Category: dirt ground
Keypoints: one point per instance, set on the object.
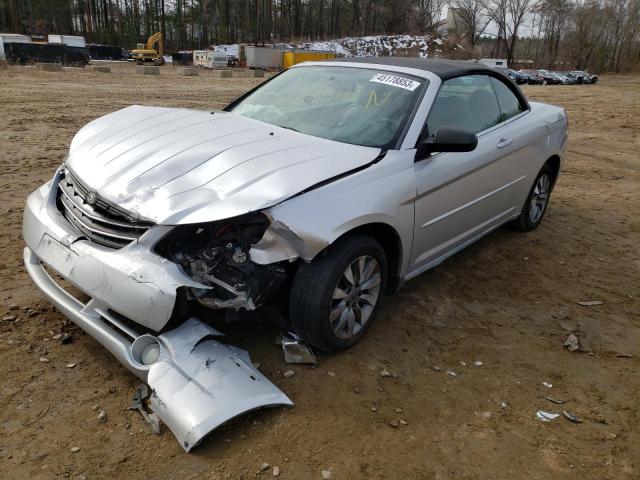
(508, 301)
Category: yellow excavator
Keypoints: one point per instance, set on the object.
(150, 52)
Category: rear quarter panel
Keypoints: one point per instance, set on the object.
(550, 128)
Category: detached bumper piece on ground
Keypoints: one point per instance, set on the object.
(197, 383)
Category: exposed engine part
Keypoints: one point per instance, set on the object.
(217, 255)
(239, 256)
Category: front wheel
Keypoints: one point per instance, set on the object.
(335, 298)
(537, 201)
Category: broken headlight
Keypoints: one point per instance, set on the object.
(216, 254)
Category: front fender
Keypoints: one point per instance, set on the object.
(305, 225)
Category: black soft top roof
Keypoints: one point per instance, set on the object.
(445, 69)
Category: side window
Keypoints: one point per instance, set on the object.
(467, 102)
(509, 103)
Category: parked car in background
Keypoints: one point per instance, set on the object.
(571, 76)
(533, 78)
(549, 78)
(232, 61)
(516, 77)
(585, 77)
(564, 78)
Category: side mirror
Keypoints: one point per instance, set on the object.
(447, 139)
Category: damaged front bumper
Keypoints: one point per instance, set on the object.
(133, 281)
(197, 383)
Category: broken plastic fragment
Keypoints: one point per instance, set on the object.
(139, 395)
(198, 383)
(546, 416)
(571, 417)
(295, 351)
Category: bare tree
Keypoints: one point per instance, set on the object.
(509, 17)
(553, 21)
(471, 18)
(428, 13)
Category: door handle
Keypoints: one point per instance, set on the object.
(504, 142)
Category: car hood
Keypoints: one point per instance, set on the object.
(175, 166)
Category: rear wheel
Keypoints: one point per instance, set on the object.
(537, 201)
(335, 298)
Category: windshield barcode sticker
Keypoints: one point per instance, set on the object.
(395, 81)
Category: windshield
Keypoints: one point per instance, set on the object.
(351, 105)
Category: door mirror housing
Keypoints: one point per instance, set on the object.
(447, 139)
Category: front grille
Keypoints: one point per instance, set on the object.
(101, 222)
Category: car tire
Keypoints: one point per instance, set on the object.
(537, 201)
(329, 310)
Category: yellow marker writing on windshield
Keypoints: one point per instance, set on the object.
(373, 98)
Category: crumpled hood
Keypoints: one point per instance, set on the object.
(176, 166)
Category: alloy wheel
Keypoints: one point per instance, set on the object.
(539, 198)
(355, 297)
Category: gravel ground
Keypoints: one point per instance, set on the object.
(496, 315)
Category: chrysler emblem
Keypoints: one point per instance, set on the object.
(91, 198)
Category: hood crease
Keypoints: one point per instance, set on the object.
(193, 167)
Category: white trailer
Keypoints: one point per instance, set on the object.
(494, 62)
(209, 58)
(69, 40)
(11, 38)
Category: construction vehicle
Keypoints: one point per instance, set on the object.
(149, 52)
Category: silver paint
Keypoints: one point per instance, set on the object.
(177, 166)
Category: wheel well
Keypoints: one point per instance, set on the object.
(554, 164)
(389, 239)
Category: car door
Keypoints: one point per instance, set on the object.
(461, 196)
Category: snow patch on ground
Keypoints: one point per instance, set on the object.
(385, 45)
(375, 46)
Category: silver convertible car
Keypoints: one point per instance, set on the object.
(319, 191)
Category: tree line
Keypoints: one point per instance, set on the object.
(603, 35)
(197, 23)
